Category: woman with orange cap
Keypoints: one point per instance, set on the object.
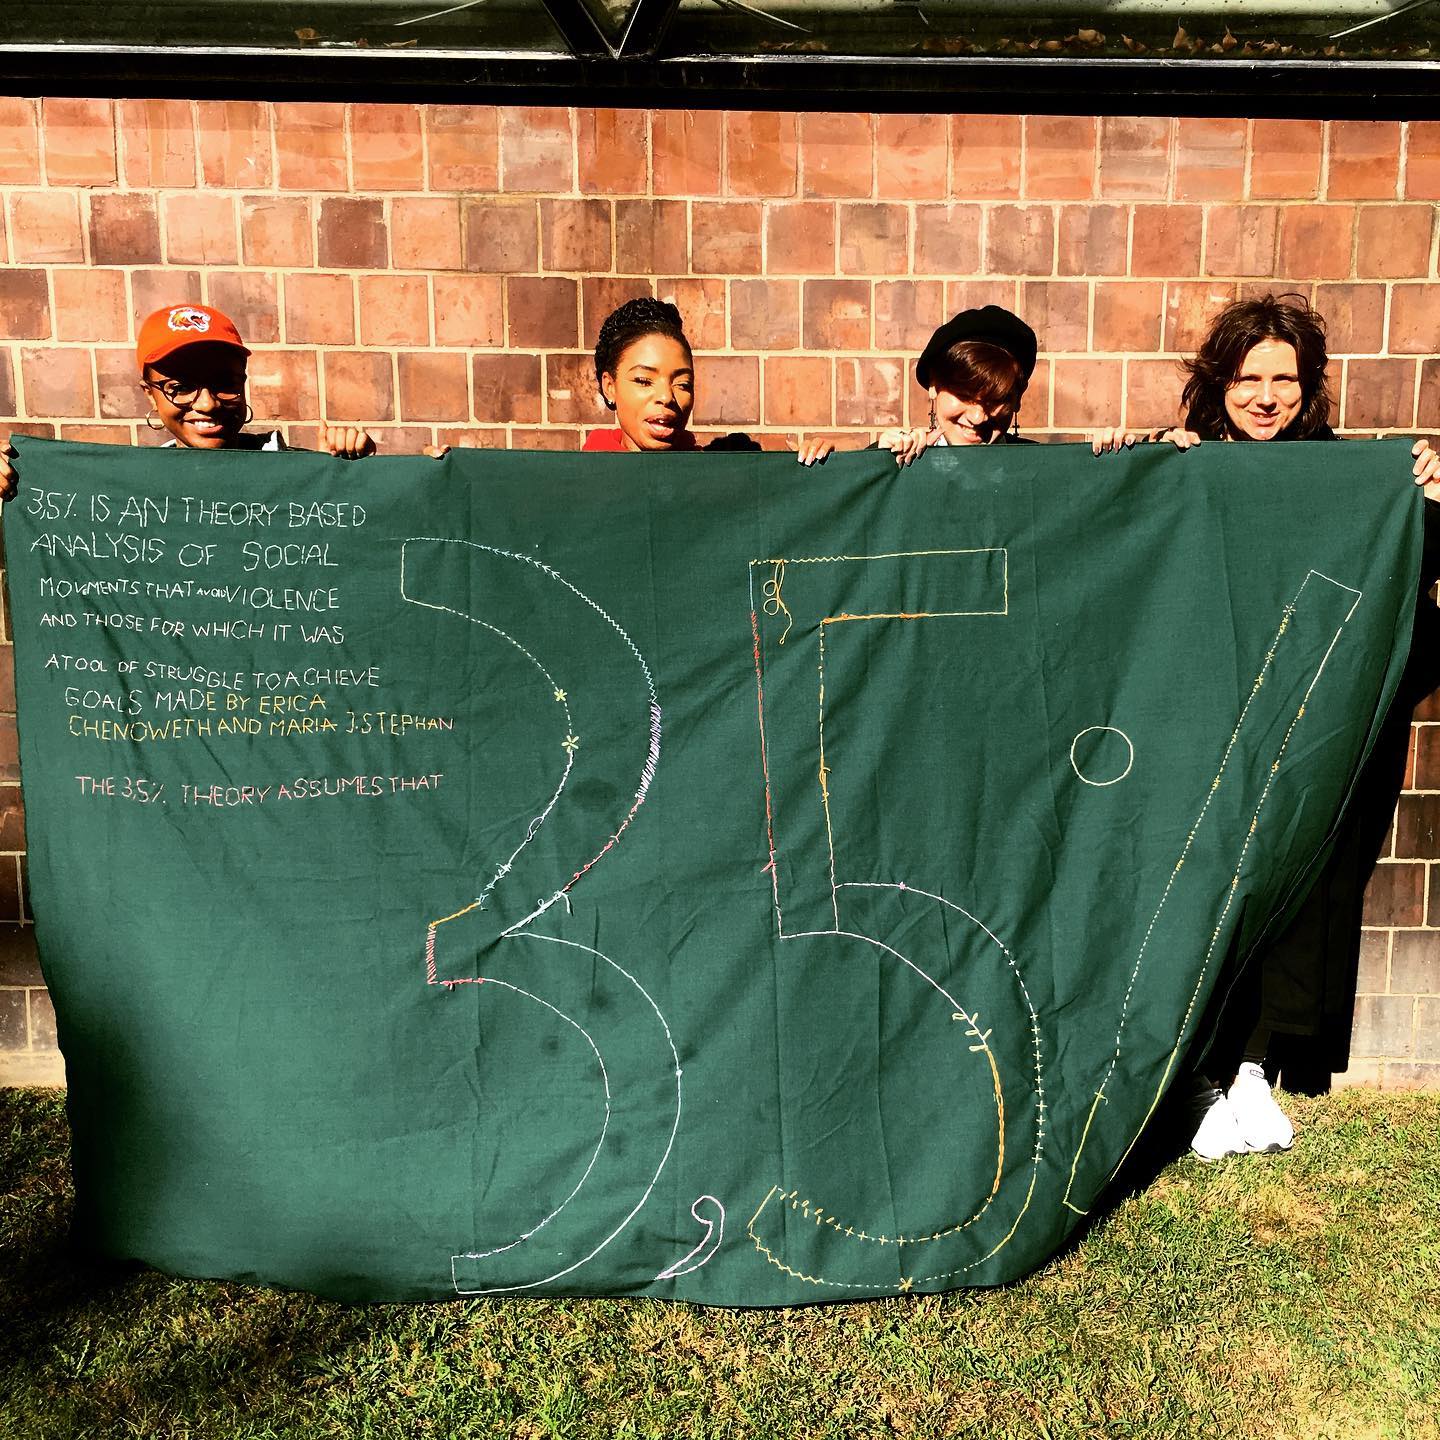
(193, 368)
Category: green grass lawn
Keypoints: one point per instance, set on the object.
(1285, 1296)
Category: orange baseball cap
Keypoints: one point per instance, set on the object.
(171, 329)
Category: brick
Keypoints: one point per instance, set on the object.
(1417, 827)
(14, 1031)
(1373, 976)
(79, 141)
(725, 237)
(869, 392)
(319, 309)
(1421, 180)
(1086, 393)
(1058, 311)
(1209, 158)
(1152, 393)
(352, 234)
(907, 313)
(1059, 157)
(1128, 314)
(685, 151)
(1364, 160)
(544, 439)
(157, 139)
(836, 315)
(57, 382)
(1427, 417)
(1315, 241)
(19, 142)
(1093, 240)
(910, 157)
(19, 961)
(358, 387)
(727, 390)
(91, 305)
(576, 235)
(571, 393)
(124, 230)
(276, 230)
(1396, 894)
(1134, 157)
(1285, 159)
(874, 239)
(761, 154)
(1019, 240)
(9, 747)
(310, 146)
(1165, 240)
(200, 229)
(1385, 1026)
(838, 155)
(471, 438)
(395, 310)
(11, 910)
(501, 236)
(544, 311)
(800, 238)
(469, 310)
(797, 391)
(1414, 319)
(987, 290)
(7, 407)
(425, 233)
(611, 151)
(45, 228)
(701, 304)
(235, 140)
(152, 290)
(386, 148)
(948, 238)
(600, 294)
(1426, 747)
(765, 314)
(505, 387)
(434, 386)
(283, 385)
(1190, 307)
(985, 157)
(1379, 395)
(250, 299)
(118, 384)
(537, 148)
(651, 237)
(1392, 242)
(464, 147)
(1415, 963)
(1427, 1041)
(42, 1021)
(1241, 239)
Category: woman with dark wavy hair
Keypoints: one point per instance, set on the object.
(1260, 375)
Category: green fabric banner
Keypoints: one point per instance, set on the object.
(693, 876)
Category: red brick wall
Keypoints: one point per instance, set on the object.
(440, 272)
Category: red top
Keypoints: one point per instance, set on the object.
(615, 440)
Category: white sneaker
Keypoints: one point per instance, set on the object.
(1263, 1125)
(1218, 1133)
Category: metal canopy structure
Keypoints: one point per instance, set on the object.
(1300, 57)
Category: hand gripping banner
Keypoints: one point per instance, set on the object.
(695, 876)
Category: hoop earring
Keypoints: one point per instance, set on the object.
(249, 415)
(149, 416)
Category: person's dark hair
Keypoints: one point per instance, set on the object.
(1235, 331)
(630, 322)
(984, 373)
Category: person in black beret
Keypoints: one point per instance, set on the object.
(976, 367)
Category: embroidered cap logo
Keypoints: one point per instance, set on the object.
(185, 318)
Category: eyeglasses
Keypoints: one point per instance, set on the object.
(177, 392)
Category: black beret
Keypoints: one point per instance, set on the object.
(992, 326)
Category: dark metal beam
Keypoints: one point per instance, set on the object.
(645, 27)
(578, 26)
(1055, 85)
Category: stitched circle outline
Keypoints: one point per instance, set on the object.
(1101, 784)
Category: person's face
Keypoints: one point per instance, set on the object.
(968, 422)
(1264, 398)
(653, 392)
(199, 394)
